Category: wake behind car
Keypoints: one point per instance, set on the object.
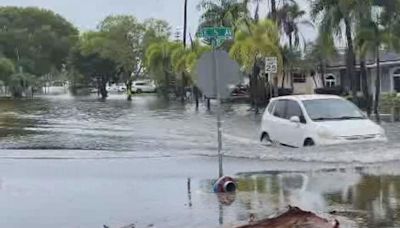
(308, 120)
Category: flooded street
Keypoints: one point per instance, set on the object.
(81, 162)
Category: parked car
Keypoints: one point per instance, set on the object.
(308, 120)
(143, 87)
(116, 88)
(240, 90)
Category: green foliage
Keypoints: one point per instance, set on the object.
(155, 30)
(38, 40)
(19, 83)
(7, 68)
(159, 61)
(117, 48)
(169, 61)
(88, 67)
(223, 13)
(92, 65)
(260, 40)
(289, 17)
(389, 101)
(123, 42)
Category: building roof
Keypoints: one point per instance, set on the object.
(385, 57)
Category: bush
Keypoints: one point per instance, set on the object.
(389, 101)
(285, 91)
(331, 90)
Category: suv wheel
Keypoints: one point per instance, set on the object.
(309, 142)
(265, 139)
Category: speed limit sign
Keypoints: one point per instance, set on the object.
(271, 65)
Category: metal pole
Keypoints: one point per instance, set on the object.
(219, 123)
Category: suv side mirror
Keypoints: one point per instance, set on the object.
(295, 119)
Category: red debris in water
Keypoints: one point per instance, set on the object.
(294, 218)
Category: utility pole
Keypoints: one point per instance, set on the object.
(185, 24)
(183, 90)
(273, 10)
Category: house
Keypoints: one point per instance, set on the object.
(335, 75)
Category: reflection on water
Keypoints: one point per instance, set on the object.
(355, 198)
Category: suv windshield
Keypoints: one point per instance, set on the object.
(332, 109)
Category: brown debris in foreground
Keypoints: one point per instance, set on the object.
(296, 218)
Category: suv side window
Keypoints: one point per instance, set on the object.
(280, 107)
(293, 109)
(271, 107)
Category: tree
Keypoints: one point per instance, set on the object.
(155, 30)
(35, 39)
(374, 36)
(291, 59)
(250, 48)
(289, 18)
(334, 15)
(19, 83)
(7, 68)
(124, 36)
(364, 16)
(321, 52)
(183, 61)
(97, 70)
(222, 13)
(158, 63)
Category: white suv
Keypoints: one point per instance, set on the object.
(143, 87)
(309, 120)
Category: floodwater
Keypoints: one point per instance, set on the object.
(82, 162)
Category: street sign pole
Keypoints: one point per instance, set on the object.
(218, 96)
(216, 35)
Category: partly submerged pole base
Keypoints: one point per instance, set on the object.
(225, 184)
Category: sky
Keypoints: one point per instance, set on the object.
(86, 14)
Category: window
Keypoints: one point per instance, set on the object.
(279, 110)
(330, 81)
(293, 109)
(332, 109)
(140, 84)
(396, 81)
(271, 107)
(299, 78)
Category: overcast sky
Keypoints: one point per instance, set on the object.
(86, 14)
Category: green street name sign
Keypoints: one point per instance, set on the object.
(216, 32)
(216, 35)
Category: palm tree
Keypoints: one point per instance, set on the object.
(289, 18)
(222, 13)
(183, 61)
(374, 33)
(374, 36)
(250, 48)
(321, 52)
(158, 62)
(291, 59)
(363, 17)
(333, 15)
